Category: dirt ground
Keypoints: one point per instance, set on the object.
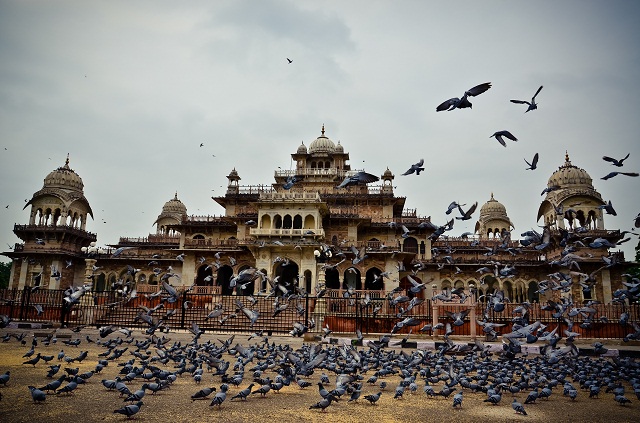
(91, 402)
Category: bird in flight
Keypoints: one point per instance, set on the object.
(461, 103)
(612, 174)
(615, 162)
(201, 144)
(505, 134)
(534, 163)
(532, 105)
(289, 60)
(358, 178)
(415, 168)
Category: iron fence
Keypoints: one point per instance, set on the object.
(371, 312)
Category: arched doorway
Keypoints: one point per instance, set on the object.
(307, 281)
(372, 279)
(352, 279)
(406, 284)
(332, 278)
(248, 288)
(224, 275)
(288, 274)
(532, 292)
(204, 276)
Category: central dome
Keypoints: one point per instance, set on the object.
(64, 177)
(322, 144)
(568, 174)
(493, 208)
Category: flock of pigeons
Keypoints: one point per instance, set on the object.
(232, 371)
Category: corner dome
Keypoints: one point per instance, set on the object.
(568, 174)
(302, 149)
(339, 148)
(174, 206)
(322, 144)
(64, 177)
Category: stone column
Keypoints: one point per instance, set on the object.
(605, 277)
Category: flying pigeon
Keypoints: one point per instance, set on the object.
(460, 103)
(499, 134)
(532, 104)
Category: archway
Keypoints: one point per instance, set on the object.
(332, 278)
(288, 274)
(372, 280)
(352, 279)
(224, 275)
(204, 276)
(407, 285)
(410, 245)
(248, 288)
(532, 292)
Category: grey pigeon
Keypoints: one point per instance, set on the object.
(532, 105)
(612, 174)
(129, 410)
(518, 407)
(373, 398)
(506, 134)
(357, 179)
(534, 163)
(615, 162)
(415, 168)
(461, 103)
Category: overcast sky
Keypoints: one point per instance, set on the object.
(131, 89)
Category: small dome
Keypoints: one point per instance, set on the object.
(322, 144)
(64, 177)
(568, 174)
(339, 148)
(302, 149)
(387, 174)
(493, 209)
(174, 206)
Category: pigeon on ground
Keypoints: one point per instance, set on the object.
(518, 407)
(129, 410)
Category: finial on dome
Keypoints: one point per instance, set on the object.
(323, 129)
(566, 156)
(66, 163)
(176, 196)
(492, 199)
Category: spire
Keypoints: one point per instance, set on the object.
(492, 199)
(66, 163)
(176, 196)
(323, 129)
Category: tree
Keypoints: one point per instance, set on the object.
(5, 273)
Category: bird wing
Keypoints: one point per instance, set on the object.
(609, 159)
(364, 177)
(535, 160)
(509, 135)
(445, 105)
(537, 92)
(630, 173)
(478, 89)
(498, 136)
(520, 102)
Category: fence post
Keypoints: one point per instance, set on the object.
(26, 296)
(183, 308)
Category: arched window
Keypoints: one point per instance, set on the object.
(373, 280)
(297, 222)
(410, 245)
(332, 278)
(277, 221)
(351, 279)
(287, 223)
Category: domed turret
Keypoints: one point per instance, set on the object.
(302, 149)
(339, 148)
(493, 219)
(61, 200)
(571, 200)
(322, 144)
(172, 213)
(569, 175)
(64, 177)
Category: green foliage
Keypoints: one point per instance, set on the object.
(5, 273)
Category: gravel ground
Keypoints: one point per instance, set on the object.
(92, 402)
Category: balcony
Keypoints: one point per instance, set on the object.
(285, 232)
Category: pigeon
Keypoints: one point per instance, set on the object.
(532, 105)
(202, 393)
(506, 134)
(534, 163)
(129, 410)
(357, 179)
(518, 407)
(37, 395)
(608, 208)
(219, 398)
(467, 215)
(415, 168)
(243, 394)
(457, 400)
(4, 378)
(461, 103)
(291, 180)
(612, 174)
(373, 398)
(323, 403)
(615, 162)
